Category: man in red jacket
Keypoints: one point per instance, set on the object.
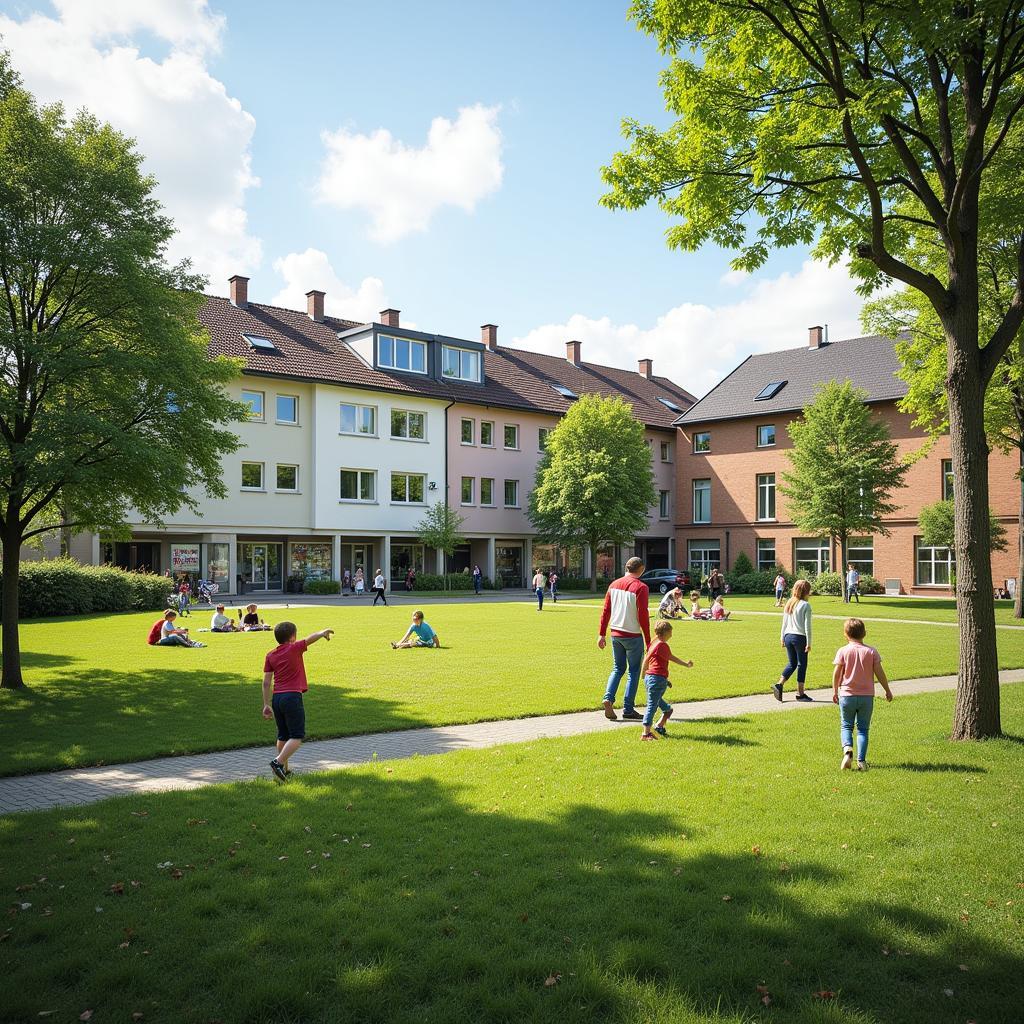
(626, 612)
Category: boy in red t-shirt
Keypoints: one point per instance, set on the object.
(655, 672)
(285, 670)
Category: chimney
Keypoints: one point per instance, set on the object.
(489, 336)
(239, 291)
(389, 317)
(315, 305)
(572, 352)
(646, 368)
(816, 337)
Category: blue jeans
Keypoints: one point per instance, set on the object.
(476, 584)
(855, 710)
(655, 687)
(173, 640)
(540, 598)
(627, 651)
(796, 645)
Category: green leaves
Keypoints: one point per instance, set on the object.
(936, 522)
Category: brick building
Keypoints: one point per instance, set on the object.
(732, 454)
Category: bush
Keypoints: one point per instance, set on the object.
(576, 583)
(433, 582)
(61, 586)
(322, 587)
(869, 585)
(828, 584)
(758, 582)
(742, 566)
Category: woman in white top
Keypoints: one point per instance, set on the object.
(378, 588)
(538, 587)
(796, 638)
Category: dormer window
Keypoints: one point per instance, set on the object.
(259, 342)
(769, 390)
(669, 404)
(460, 363)
(402, 354)
(566, 392)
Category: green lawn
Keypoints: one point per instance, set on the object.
(579, 880)
(97, 694)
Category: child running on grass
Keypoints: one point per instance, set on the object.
(857, 666)
(419, 634)
(286, 671)
(655, 672)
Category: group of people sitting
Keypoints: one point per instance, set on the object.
(671, 607)
(165, 633)
(249, 622)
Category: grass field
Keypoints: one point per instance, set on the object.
(97, 694)
(589, 879)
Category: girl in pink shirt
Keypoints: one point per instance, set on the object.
(857, 666)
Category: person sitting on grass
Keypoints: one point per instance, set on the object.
(655, 672)
(251, 621)
(718, 612)
(419, 634)
(163, 633)
(220, 623)
(695, 609)
(285, 671)
(857, 666)
(671, 606)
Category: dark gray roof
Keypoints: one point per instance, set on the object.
(869, 363)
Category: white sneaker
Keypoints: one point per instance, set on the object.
(847, 761)
(862, 766)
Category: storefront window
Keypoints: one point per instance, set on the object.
(217, 564)
(405, 557)
(311, 561)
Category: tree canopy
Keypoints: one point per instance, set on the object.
(441, 528)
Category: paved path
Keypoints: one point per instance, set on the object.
(87, 785)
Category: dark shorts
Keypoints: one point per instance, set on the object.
(290, 716)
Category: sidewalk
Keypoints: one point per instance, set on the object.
(86, 785)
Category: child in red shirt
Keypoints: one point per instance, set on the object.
(285, 670)
(857, 666)
(655, 672)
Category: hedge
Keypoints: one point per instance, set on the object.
(761, 582)
(61, 586)
(322, 587)
(435, 582)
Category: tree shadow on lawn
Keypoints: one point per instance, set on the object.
(351, 897)
(941, 767)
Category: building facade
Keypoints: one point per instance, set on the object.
(733, 447)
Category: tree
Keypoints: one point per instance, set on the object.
(937, 526)
(441, 528)
(594, 483)
(803, 122)
(108, 401)
(845, 469)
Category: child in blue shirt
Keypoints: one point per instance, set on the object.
(419, 634)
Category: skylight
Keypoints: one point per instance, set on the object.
(258, 341)
(669, 404)
(770, 390)
(565, 392)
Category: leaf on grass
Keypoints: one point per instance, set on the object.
(726, 899)
(123, 945)
(963, 967)
(140, 814)
(756, 851)
(948, 992)
(136, 1015)
(177, 873)
(117, 888)
(825, 993)
(552, 979)
(524, 918)
(85, 1015)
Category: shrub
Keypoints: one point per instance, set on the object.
(576, 583)
(869, 585)
(742, 566)
(435, 582)
(322, 587)
(758, 582)
(61, 586)
(828, 584)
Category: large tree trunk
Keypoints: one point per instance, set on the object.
(593, 568)
(844, 544)
(1018, 597)
(11, 679)
(977, 694)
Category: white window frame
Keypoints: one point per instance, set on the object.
(855, 547)
(365, 408)
(510, 426)
(703, 490)
(277, 418)
(263, 477)
(472, 491)
(408, 476)
(406, 436)
(371, 474)
(706, 434)
(664, 504)
(666, 451)
(762, 565)
(463, 353)
(933, 562)
(766, 426)
(765, 483)
(823, 557)
(278, 489)
(411, 342)
(947, 480)
(487, 504)
(472, 431)
(260, 417)
(505, 494)
(705, 562)
(483, 443)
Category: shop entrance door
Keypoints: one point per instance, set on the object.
(260, 566)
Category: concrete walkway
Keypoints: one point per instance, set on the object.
(86, 785)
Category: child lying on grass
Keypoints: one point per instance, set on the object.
(419, 634)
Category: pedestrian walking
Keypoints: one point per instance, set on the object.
(852, 584)
(378, 588)
(796, 638)
(538, 588)
(780, 589)
(625, 612)
(478, 579)
(857, 666)
(553, 586)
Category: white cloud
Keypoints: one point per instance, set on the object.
(697, 345)
(401, 187)
(195, 137)
(304, 271)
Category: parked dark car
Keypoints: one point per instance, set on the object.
(663, 580)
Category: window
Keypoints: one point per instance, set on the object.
(769, 390)
(467, 490)
(358, 485)
(258, 341)
(460, 363)
(287, 409)
(766, 559)
(669, 404)
(702, 442)
(704, 555)
(511, 494)
(469, 432)
(811, 556)
(947, 479)
(411, 426)
(664, 503)
(358, 419)
(934, 565)
(702, 501)
(287, 478)
(487, 490)
(666, 451)
(252, 476)
(542, 438)
(861, 552)
(487, 434)
(402, 354)
(765, 496)
(254, 399)
(311, 561)
(511, 436)
(766, 436)
(565, 392)
(407, 488)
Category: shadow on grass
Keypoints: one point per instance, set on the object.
(941, 767)
(397, 901)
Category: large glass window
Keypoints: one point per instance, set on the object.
(311, 561)
(765, 496)
(704, 555)
(358, 419)
(468, 435)
(217, 563)
(252, 476)
(766, 435)
(511, 494)
(486, 490)
(664, 504)
(460, 363)
(405, 557)
(861, 551)
(287, 477)
(254, 399)
(468, 487)
(766, 553)
(947, 479)
(702, 501)
(511, 435)
(358, 485)
(487, 433)
(287, 409)
(935, 565)
(702, 442)
(402, 354)
(411, 426)
(261, 566)
(811, 555)
(407, 488)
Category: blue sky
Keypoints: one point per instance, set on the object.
(496, 219)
